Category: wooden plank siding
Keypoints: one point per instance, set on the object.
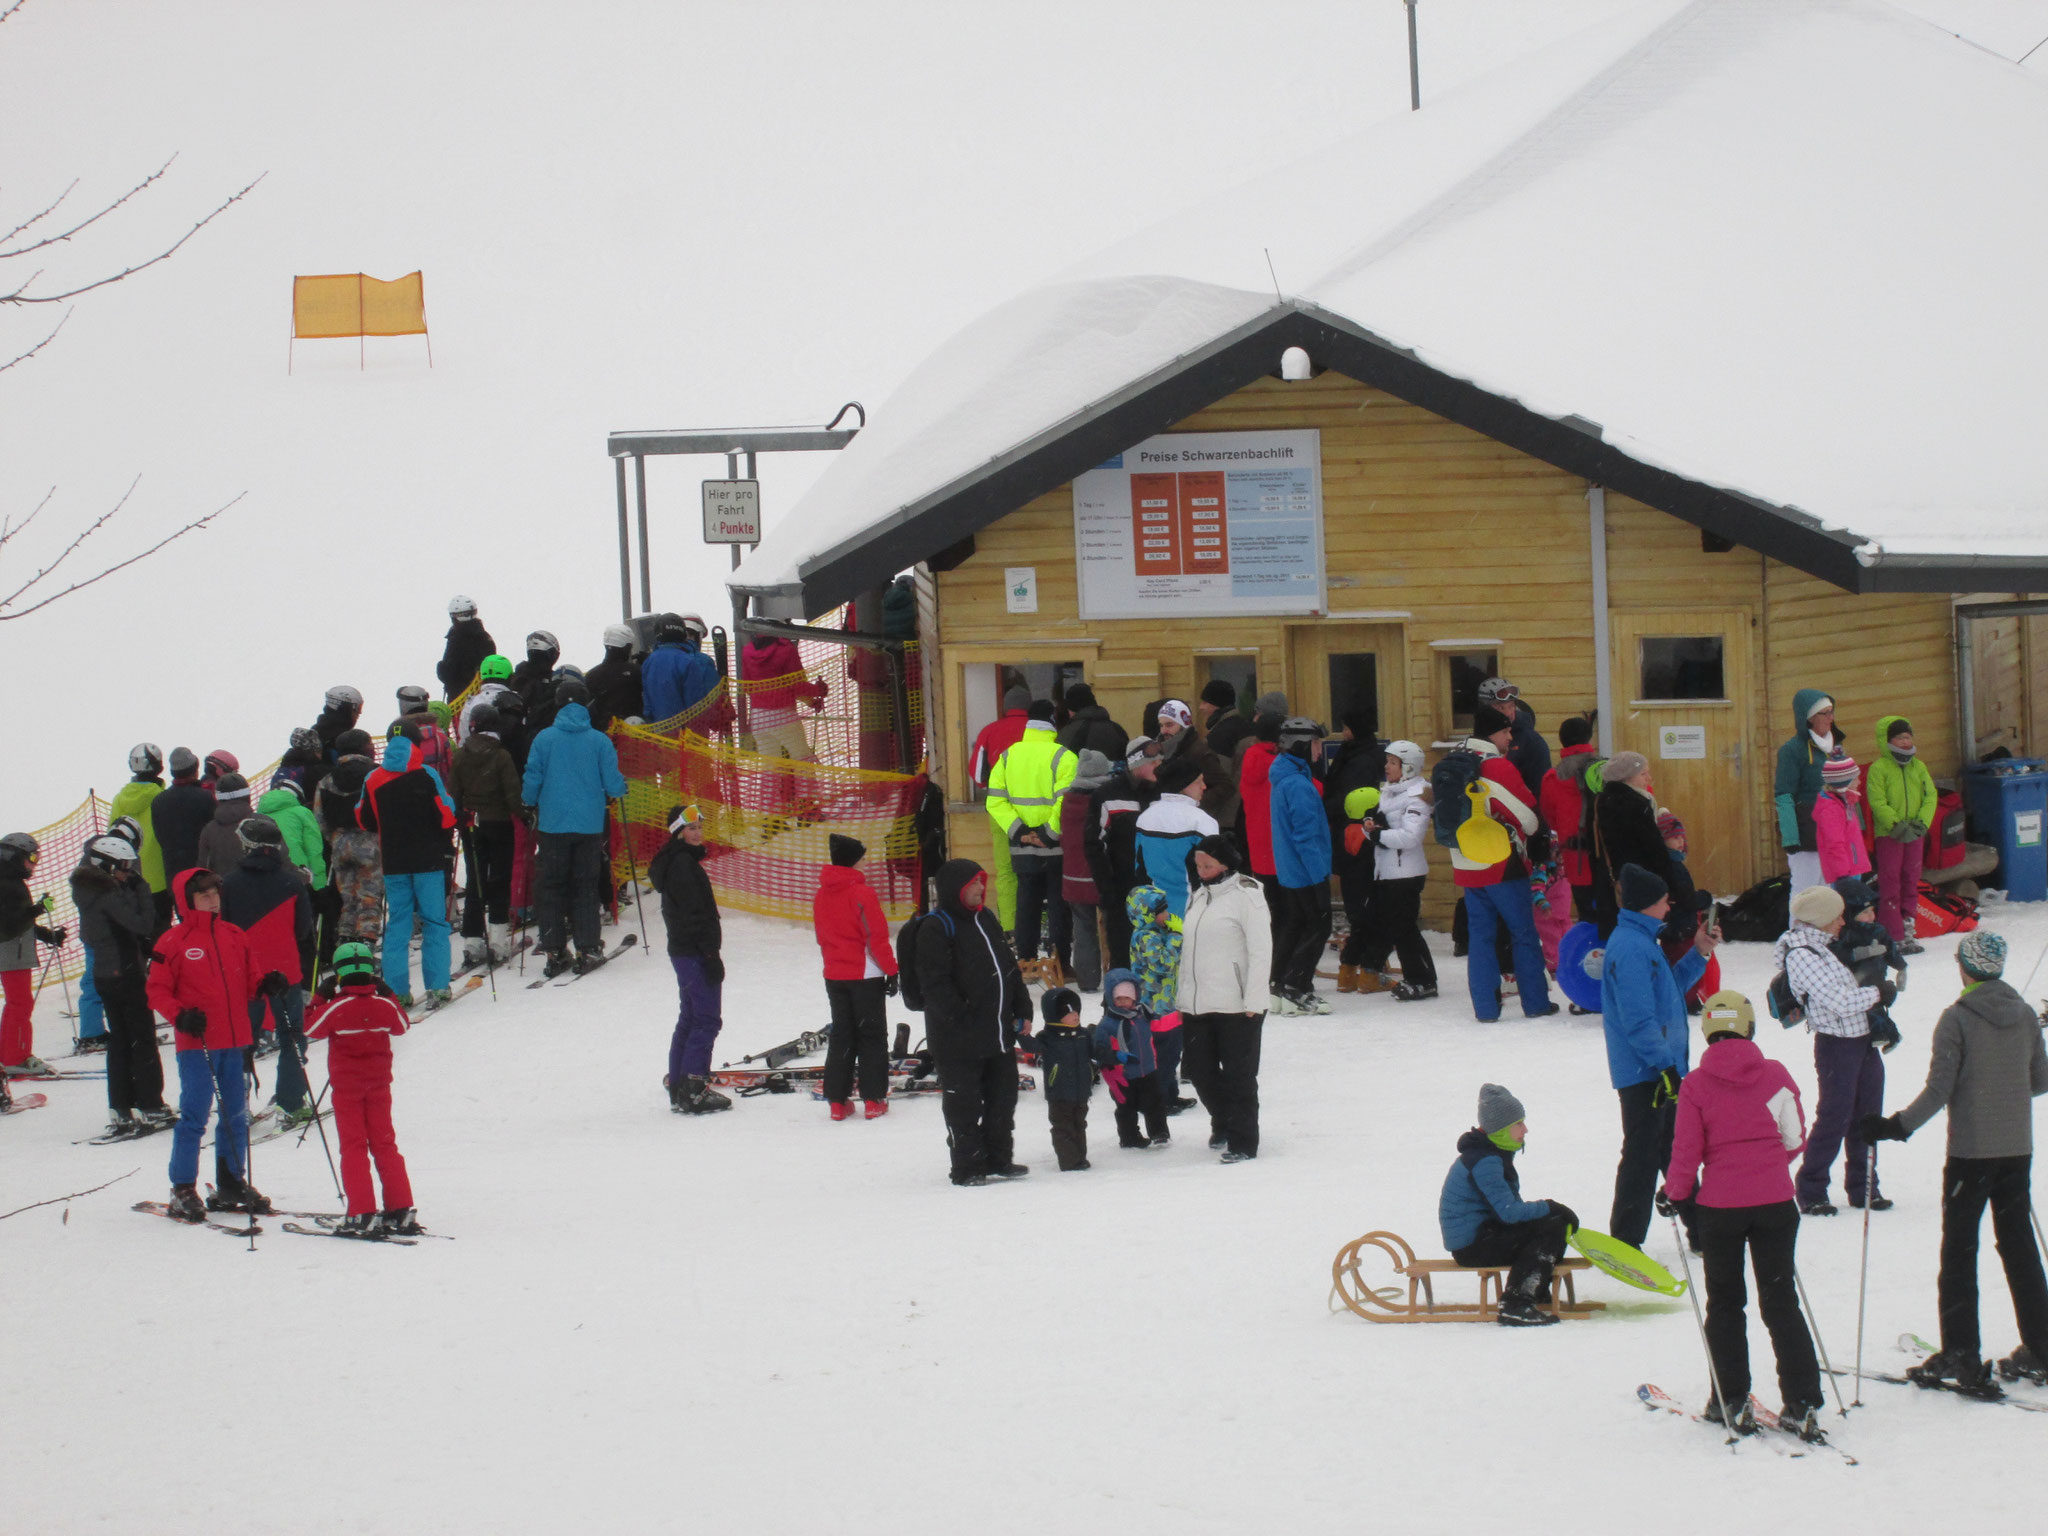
(1462, 537)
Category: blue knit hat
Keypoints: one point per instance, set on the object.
(1982, 954)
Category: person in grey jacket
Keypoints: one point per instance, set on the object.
(1226, 954)
(1987, 1068)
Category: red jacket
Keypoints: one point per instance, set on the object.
(775, 677)
(996, 738)
(1513, 807)
(204, 962)
(1561, 802)
(1255, 787)
(847, 916)
(358, 1023)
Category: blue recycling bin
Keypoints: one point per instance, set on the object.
(2007, 801)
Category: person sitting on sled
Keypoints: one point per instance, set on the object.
(1485, 1220)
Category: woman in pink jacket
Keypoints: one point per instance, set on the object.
(1739, 1115)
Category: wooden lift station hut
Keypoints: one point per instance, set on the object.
(1665, 372)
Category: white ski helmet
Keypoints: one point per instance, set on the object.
(341, 696)
(412, 698)
(146, 758)
(695, 625)
(618, 637)
(110, 852)
(461, 607)
(1298, 730)
(542, 640)
(1410, 756)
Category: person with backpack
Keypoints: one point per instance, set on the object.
(1496, 894)
(1797, 783)
(1739, 1126)
(860, 973)
(1026, 789)
(1484, 1220)
(1902, 805)
(1988, 1066)
(974, 1001)
(1845, 1057)
(1642, 1012)
(436, 751)
(1301, 861)
(689, 910)
(1223, 962)
(1565, 802)
(1396, 835)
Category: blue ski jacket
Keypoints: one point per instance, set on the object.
(1642, 1002)
(1482, 1183)
(1301, 827)
(571, 771)
(672, 678)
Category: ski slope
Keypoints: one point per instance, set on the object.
(765, 1321)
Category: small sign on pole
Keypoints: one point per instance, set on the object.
(732, 511)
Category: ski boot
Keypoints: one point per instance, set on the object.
(293, 1119)
(588, 960)
(1739, 1417)
(473, 953)
(1370, 980)
(1959, 1371)
(1803, 1419)
(121, 1125)
(842, 1109)
(874, 1109)
(30, 1066)
(700, 1098)
(499, 942)
(1234, 1156)
(161, 1117)
(1414, 992)
(364, 1226)
(559, 964)
(1521, 1312)
(1281, 1006)
(1308, 1000)
(405, 1223)
(1007, 1170)
(439, 996)
(1877, 1203)
(92, 1045)
(1821, 1207)
(2021, 1365)
(237, 1194)
(185, 1205)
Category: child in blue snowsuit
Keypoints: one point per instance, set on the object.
(1155, 959)
(1130, 1060)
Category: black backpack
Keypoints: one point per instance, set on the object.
(1761, 913)
(1787, 1006)
(908, 986)
(1454, 772)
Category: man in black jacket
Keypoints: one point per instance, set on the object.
(689, 907)
(1110, 842)
(1221, 723)
(468, 644)
(179, 815)
(614, 683)
(1089, 725)
(974, 999)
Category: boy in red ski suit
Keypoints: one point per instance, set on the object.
(357, 1017)
(860, 971)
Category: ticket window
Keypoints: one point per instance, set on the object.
(983, 685)
(1459, 674)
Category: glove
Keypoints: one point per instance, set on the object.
(1571, 1217)
(1666, 1091)
(329, 985)
(54, 937)
(714, 970)
(272, 984)
(1887, 994)
(1880, 1128)
(190, 1021)
(891, 986)
(1884, 1031)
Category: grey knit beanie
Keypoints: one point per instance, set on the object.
(1274, 703)
(1498, 1109)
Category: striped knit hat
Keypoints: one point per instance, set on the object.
(1839, 771)
(1982, 954)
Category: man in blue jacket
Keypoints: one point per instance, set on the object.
(676, 673)
(571, 772)
(1301, 862)
(1642, 1006)
(1485, 1221)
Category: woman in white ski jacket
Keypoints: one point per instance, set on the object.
(1226, 951)
(1400, 867)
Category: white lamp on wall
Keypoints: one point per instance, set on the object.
(1295, 365)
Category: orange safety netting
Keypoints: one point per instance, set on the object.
(62, 844)
(352, 304)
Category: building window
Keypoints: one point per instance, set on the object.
(1681, 667)
(1355, 690)
(983, 685)
(1461, 674)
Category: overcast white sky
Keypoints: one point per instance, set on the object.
(628, 216)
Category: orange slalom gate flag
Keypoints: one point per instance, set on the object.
(351, 304)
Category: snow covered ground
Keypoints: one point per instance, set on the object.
(653, 1323)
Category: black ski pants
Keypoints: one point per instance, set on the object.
(1646, 1133)
(1354, 885)
(979, 1097)
(1116, 924)
(135, 1068)
(1222, 1061)
(1967, 1184)
(1530, 1249)
(1041, 905)
(1277, 924)
(571, 881)
(1768, 1233)
(1144, 1099)
(860, 1034)
(1393, 924)
(487, 876)
(1069, 1132)
(1304, 934)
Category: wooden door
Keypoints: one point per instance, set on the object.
(1335, 666)
(1681, 689)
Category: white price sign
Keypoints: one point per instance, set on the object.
(1681, 742)
(732, 511)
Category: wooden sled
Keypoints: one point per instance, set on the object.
(1351, 1284)
(1046, 972)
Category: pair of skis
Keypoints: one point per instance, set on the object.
(24, 1101)
(1772, 1432)
(1913, 1344)
(575, 975)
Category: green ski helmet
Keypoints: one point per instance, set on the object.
(355, 962)
(494, 669)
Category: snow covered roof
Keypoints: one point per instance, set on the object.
(1772, 266)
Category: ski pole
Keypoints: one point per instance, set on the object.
(1863, 1274)
(1819, 1343)
(220, 1132)
(304, 1130)
(2036, 1215)
(1700, 1318)
(633, 870)
(333, 1172)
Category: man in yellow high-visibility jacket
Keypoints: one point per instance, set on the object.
(1024, 793)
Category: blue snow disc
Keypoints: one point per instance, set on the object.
(1579, 954)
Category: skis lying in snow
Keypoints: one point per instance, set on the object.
(572, 974)
(158, 1208)
(26, 1101)
(272, 1132)
(805, 1044)
(347, 1237)
(87, 1075)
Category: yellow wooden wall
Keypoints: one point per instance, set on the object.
(1464, 538)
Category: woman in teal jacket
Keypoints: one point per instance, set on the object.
(1902, 797)
(1797, 782)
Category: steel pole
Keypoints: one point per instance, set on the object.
(646, 578)
(1414, 63)
(625, 547)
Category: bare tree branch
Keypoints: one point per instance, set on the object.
(132, 1171)
(9, 528)
(35, 219)
(18, 4)
(77, 586)
(32, 351)
(141, 186)
(20, 296)
(65, 554)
